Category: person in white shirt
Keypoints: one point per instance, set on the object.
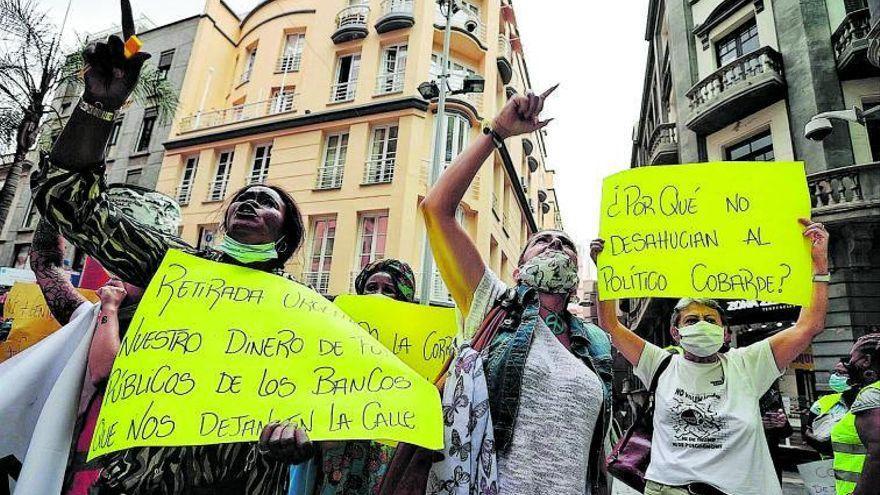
(708, 435)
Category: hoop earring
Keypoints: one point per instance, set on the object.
(281, 245)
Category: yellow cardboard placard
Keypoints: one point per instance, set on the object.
(31, 319)
(421, 336)
(216, 351)
(724, 230)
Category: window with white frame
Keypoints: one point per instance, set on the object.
(383, 155)
(184, 190)
(457, 131)
(260, 167)
(221, 177)
(291, 56)
(392, 72)
(333, 166)
(373, 230)
(249, 60)
(457, 71)
(348, 69)
(282, 101)
(321, 256)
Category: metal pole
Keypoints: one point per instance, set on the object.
(428, 258)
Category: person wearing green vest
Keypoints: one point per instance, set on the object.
(829, 410)
(856, 437)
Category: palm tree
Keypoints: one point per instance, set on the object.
(32, 69)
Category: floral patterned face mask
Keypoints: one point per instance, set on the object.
(552, 272)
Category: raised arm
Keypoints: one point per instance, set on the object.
(457, 257)
(625, 340)
(788, 344)
(106, 341)
(47, 258)
(69, 189)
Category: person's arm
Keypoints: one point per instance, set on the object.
(456, 256)
(790, 343)
(106, 341)
(47, 258)
(625, 340)
(868, 428)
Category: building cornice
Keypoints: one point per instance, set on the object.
(300, 121)
(721, 13)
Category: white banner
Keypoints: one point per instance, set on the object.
(41, 392)
(818, 477)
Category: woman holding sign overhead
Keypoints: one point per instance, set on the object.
(548, 375)
(708, 437)
(263, 229)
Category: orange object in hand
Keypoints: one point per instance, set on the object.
(132, 46)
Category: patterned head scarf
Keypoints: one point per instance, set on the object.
(399, 271)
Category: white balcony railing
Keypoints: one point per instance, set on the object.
(239, 113)
(379, 170)
(289, 63)
(330, 177)
(505, 50)
(353, 16)
(184, 193)
(397, 7)
(320, 281)
(390, 83)
(461, 22)
(341, 92)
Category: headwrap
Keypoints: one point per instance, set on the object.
(399, 271)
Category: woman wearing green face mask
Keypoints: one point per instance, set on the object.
(829, 410)
(708, 434)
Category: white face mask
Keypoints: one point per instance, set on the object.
(702, 339)
(552, 272)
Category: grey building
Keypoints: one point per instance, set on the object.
(135, 149)
(739, 80)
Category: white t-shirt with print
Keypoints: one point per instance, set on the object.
(707, 422)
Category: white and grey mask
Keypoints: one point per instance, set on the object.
(552, 272)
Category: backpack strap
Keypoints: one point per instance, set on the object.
(660, 369)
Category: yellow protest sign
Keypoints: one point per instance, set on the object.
(421, 336)
(31, 319)
(723, 230)
(217, 351)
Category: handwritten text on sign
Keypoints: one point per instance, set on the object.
(215, 352)
(421, 336)
(725, 230)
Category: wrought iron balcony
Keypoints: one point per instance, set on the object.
(850, 42)
(387, 84)
(396, 14)
(239, 113)
(379, 170)
(505, 59)
(330, 177)
(663, 145)
(846, 192)
(343, 92)
(351, 24)
(738, 89)
(320, 281)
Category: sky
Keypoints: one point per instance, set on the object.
(597, 56)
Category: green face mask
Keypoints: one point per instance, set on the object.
(248, 253)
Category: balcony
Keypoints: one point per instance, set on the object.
(850, 42)
(239, 113)
(472, 102)
(390, 83)
(663, 146)
(505, 224)
(184, 193)
(505, 59)
(351, 24)
(379, 171)
(320, 281)
(288, 63)
(396, 14)
(330, 177)
(468, 34)
(495, 207)
(740, 88)
(846, 193)
(343, 92)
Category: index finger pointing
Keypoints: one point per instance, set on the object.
(550, 91)
(127, 20)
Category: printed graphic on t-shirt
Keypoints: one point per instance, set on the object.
(696, 421)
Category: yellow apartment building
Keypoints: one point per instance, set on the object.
(320, 97)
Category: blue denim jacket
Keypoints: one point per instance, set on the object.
(506, 359)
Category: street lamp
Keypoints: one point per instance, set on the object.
(820, 127)
(439, 89)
